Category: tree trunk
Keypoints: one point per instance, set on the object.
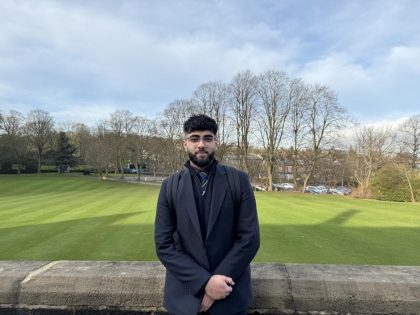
(413, 198)
(307, 177)
(295, 172)
(39, 165)
(270, 176)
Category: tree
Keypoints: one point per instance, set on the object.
(64, 156)
(324, 118)
(372, 148)
(394, 182)
(296, 124)
(98, 149)
(15, 139)
(243, 94)
(171, 129)
(410, 130)
(212, 99)
(39, 125)
(143, 129)
(408, 158)
(275, 93)
(121, 123)
(79, 136)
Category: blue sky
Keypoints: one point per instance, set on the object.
(81, 60)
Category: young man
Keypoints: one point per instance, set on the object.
(206, 238)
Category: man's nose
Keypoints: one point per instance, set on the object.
(201, 142)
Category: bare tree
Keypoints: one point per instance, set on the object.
(97, 153)
(99, 149)
(275, 93)
(143, 129)
(243, 93)
(212, 99)
(410, 130)
(16, 141)
(297, 123)
(80, 135)
(373, 146)
(39, 125)
(204, 97)
(121, 124)
(325, 117)
(171, 128)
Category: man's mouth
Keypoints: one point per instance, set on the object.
(201, 153)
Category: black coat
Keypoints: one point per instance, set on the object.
(231, 243)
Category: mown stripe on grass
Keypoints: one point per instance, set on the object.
(62, 217)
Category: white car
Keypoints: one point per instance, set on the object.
(260, 188)
(283, 186)
(287, 186)
(335, 191)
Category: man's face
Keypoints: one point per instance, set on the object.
(201, 147)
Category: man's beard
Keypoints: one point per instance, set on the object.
(201, 163)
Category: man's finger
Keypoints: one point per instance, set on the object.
(229, 281)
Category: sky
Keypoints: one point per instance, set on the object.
(82, 60)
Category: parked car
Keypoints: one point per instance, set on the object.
(335, 191)
(260, 188)
(286, 186)
(322, 189)
(283, 186)
(344, 190)
(312, 190)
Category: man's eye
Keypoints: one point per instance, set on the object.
(208, 138)
(194, 139)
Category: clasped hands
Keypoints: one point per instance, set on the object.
(218, 287)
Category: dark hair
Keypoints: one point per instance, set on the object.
(200, 122)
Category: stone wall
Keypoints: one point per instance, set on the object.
(103, 287)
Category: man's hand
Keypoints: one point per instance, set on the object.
(219, 287)
(206, 303)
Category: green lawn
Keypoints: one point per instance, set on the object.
(55, 217)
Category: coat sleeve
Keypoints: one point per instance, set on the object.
(247, 239)
(178, 262)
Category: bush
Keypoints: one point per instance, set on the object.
(9, 167)
(390, 183)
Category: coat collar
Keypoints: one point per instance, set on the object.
(185, 198)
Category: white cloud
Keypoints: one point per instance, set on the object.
(383, 89)
(142, 55)
(403, 59)
(337, 70)
(89, 115)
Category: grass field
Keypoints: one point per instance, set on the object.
(54, 217)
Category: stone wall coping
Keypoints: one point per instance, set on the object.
(115, 287)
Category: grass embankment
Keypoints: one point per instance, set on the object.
(54, 217)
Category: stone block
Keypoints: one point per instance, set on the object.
(271, 287)
(12, 274)
(121, 285)
(355, 289)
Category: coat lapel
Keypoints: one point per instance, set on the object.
(185, 200)
(220, 187)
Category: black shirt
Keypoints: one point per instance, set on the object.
(203, 188)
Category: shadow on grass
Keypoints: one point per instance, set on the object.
(112, 238)
(342, 217)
